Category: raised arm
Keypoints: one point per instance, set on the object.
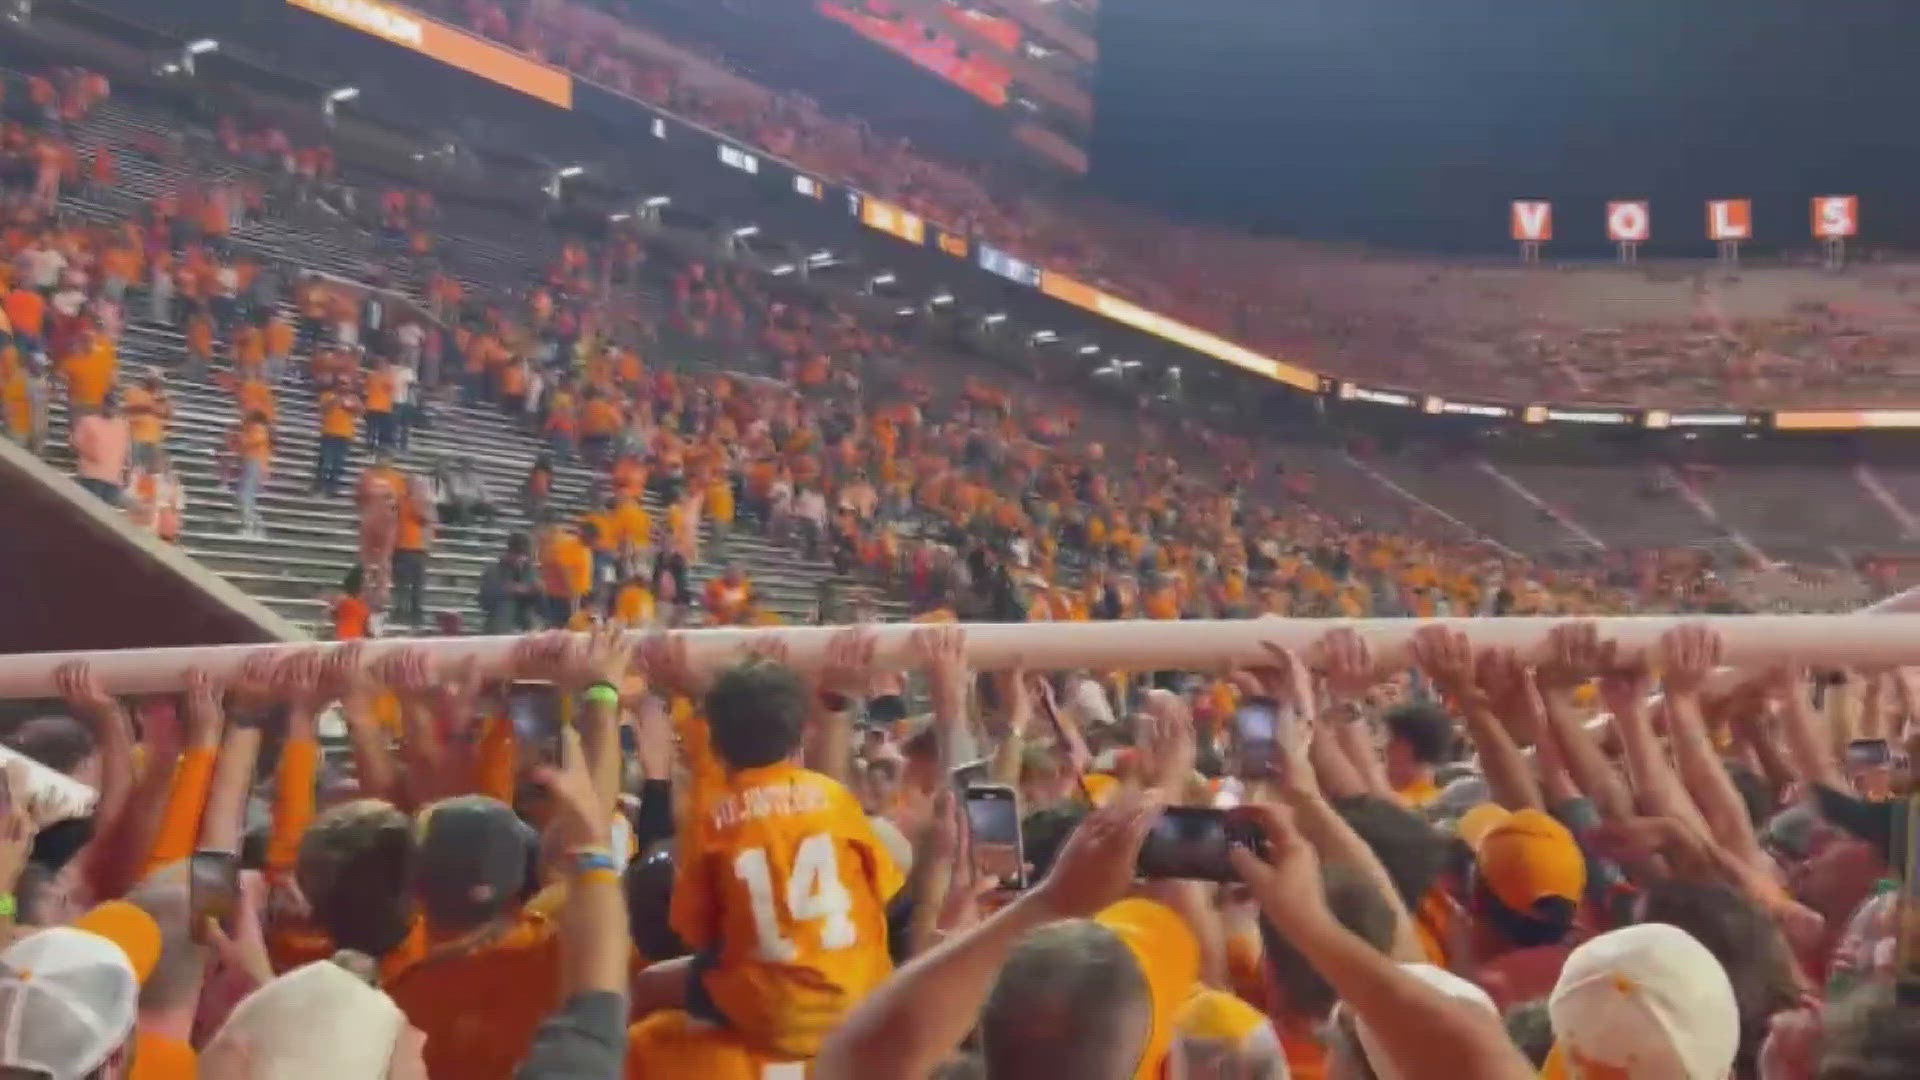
(350, 678)
(915, 1019)
(1688, 654)
(1318, 821)
(1656, 786)
(1578, 656)
(941, 651)
(1342, 750)
(1448, 659)
(113, 738)
(848, 669)
(179, 826)
(1421, 1031)
(1808, 747)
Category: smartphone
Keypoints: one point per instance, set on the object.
(1869, 754)
(533, 708)
(213, 889)
(993, 826)
(1257, 727)
(969, 774)
(1191, 842)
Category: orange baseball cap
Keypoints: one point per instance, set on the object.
(1169, 958)
(1525, 857)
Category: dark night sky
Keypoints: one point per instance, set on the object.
(1414, 122)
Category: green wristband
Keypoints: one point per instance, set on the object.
(9, 907)
(602, 694)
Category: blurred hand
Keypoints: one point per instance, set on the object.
(654, 738)
(299, 679)
(1688, 654)
(81, 690)
(203, 708)
(664, 656)
(255, 684)
(1625, 686)
(1287, 882)
(409, 672)
(1289, 681)
(1169, 743)
(1791, 1050)
(1787, 683)
(941, 651)
(1345, 662)
(1095, 865)
(16, 826)
(603, 655)
(1447, 658)
(244, 950)
(349, 676)
(848, 665)
(1576, 654)
(581, 817)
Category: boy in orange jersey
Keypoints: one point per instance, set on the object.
(783, 886)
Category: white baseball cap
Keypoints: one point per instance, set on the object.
(1648, 1002)
(1446, 982)
(69, 995)
(318, 1021)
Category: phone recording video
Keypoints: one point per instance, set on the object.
(1869, 754)
(533, 708)
(993, 826)
(1257, 725)
(1191, 842)
(213, 889)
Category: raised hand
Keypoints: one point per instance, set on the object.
(1095, 866)
(848, 665)
(82, 690)
(1576, 654)
(1447, 657)
(1168, 740)
(1288, 680)
(1286, 883)
(941, 651)
(1345, 664)
(1688, 654)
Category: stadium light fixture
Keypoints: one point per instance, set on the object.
(995, 319)
(940, 299)
(343, 94)
(655, 202)
(904, 312)
(1089, 350)
(570, 172)
(745, 231)
(782, 270)
(201, 47)
(619, 217)
(1043, 337)
(821, 256)
(884, 277)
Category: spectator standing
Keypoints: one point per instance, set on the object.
(380, 404)
(252, 447)
(407, 409)
(101, 443)
(412, 541)
(382, 489)
(509, 590)
(339, 414)
(148, 409)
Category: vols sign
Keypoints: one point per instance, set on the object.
(1836, 217)
(1730, 219)
(1628, 221)
(1532, 221)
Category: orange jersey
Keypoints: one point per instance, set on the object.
(480, 1000)
(675, 1044)
(782, 878)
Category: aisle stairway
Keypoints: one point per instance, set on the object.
(310, 542)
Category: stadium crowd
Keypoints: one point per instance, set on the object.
(624, 868)
(598, 861)
(1466, 333)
